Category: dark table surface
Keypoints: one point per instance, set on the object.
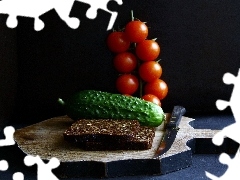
(200, 162)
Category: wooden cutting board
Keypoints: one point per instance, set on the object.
(46, 140)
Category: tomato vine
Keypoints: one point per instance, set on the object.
(139, 69)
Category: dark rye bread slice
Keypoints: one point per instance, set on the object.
(141, 141)
(101, 130)
(110, 135)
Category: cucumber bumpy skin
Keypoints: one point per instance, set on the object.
(94, 104)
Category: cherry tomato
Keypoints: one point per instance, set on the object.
(118, 42)
(136, 31)
(157, 87)
(148, 50)
(125, 62)
(152, 98)
(127, 84)
(150, 71)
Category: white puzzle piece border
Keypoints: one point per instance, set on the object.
(36, 8)
(44, 169)
(232, 131)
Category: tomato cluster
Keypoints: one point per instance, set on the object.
(138, 68)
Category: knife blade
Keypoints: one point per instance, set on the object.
(171, 129)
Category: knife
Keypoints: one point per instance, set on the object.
(171, 129)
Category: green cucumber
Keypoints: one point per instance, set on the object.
(92, 104)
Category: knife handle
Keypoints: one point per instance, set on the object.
(177, 113)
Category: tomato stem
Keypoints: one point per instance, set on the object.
(138, 65)
(140, 82)
(154, 39)
(60, 101)
(132, 15)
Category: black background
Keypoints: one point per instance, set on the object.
(199, 42)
